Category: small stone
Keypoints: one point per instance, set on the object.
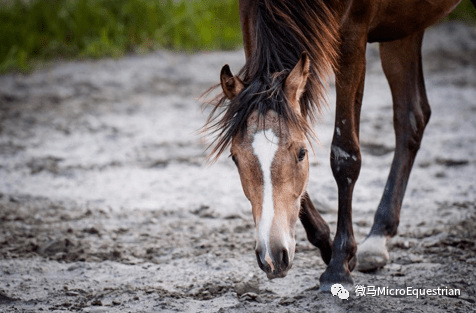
(287, 301)
(251, 284)
(53, 247)
(249, 296)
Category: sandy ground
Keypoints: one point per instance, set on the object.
(107, 204)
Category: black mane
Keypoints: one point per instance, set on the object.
(284, 29)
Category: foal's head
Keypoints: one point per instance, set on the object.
(270, 153)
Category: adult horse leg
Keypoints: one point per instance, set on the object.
(401, 62)
(345, 151)
(317, 230)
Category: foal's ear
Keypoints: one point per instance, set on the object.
(232, 85)
(295, 83)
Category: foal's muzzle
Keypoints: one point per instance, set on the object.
(274, 263)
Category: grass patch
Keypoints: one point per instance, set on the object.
(464, 12)
(39, 30)
(44, 30)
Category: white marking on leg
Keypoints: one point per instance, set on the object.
(265, 145)
(372, 253)
(339, 153)
(373, 244)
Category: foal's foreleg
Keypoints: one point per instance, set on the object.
(401, 61)
(345, 153)
(317, 230)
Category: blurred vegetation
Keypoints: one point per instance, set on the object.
(45, 29)
(41, 30)
(464, 12)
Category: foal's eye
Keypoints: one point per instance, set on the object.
(302, 154)
(234, 160)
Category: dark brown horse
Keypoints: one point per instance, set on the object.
(265, 115)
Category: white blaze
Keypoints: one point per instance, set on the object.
(265, 145)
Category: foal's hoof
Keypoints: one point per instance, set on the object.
(372, 254)
(333, 276)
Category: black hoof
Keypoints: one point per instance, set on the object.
(333, 276)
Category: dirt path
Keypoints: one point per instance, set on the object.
(107, 205)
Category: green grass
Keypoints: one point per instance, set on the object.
(45, 30)
(33, 31)
(464, 12)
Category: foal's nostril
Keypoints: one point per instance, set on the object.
(259, 260)
(285, 258)
(264, 267)
(275, 264)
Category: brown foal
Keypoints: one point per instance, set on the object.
(267, 111)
